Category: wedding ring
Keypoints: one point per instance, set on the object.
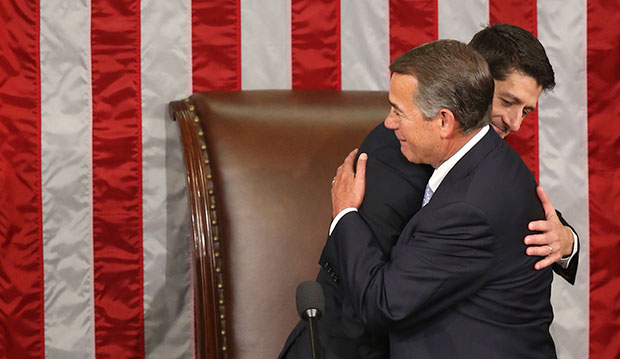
(550, 250)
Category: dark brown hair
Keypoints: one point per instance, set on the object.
(510, 48)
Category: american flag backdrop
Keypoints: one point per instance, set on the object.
(94, 249)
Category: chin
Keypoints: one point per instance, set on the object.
(412, 159)
(501, 133)
(406, 155)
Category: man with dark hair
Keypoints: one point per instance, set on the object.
(509, 48)
(521, 70)
(395, 188)
(458, 283)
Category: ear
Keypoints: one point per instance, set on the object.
(448, 125)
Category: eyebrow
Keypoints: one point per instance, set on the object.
(395, 106)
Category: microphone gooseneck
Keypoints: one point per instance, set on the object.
(310, 302)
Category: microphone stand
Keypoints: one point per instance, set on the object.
(312, 315)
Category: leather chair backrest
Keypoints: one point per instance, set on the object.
(259, 167)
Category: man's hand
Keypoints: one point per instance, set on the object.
(348, 186)
(554, 242)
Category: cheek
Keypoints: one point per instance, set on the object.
(497, 121)
(410, 152)
(497, 110)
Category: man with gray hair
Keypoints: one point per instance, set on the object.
(457, 283)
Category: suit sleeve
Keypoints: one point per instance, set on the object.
(569, 273)
(394, 187)
(393, 195)
(443, 262)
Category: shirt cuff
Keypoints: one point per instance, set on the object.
(566, 260)
(338, 216)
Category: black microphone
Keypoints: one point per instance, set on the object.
(310, 302)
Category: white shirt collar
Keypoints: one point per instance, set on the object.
(442, 171)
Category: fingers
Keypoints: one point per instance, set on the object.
(348, 161)
(540, 226)
(361, 166)
(539, 245)
(539, 239)
(542, 264)
(550, 215)
(347, 166)
(552, 232)
(550, 256)
(543, 245)
(543, 251)
(546, 202)
(347, 186)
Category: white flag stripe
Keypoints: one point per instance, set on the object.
(265, 44)
(563, 160)
(165, 65)
(364, 44)
(66, 166)
(460, 20)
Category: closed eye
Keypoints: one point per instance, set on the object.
(506, 102)
(397, 112)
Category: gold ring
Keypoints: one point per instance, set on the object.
(550, 249)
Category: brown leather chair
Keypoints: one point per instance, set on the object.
(259, 166)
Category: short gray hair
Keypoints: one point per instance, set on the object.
(450, 75)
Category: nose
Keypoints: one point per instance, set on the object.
(514, 119)
(391, 121)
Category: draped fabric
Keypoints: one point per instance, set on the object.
(94, 245)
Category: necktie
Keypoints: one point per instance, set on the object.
(428, 193)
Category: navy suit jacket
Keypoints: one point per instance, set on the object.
(394, 189)
(458, 283)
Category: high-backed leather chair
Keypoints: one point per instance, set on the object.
(259, 168)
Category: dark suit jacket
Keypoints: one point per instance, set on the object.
(393, 195)
(458, 283)
(394, 190)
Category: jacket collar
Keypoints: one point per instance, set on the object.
(472, 159)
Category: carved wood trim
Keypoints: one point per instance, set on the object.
(210, 321)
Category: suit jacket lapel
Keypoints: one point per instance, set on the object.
(463, 168)
(470, 161)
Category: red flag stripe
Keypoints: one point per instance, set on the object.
(117, 180)
(405, 33)
(523, 14)
(21, 248)
(515, 12)
(216, 45)
(315, 44)
(604, 174)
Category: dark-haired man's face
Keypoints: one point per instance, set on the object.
(514, 98)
